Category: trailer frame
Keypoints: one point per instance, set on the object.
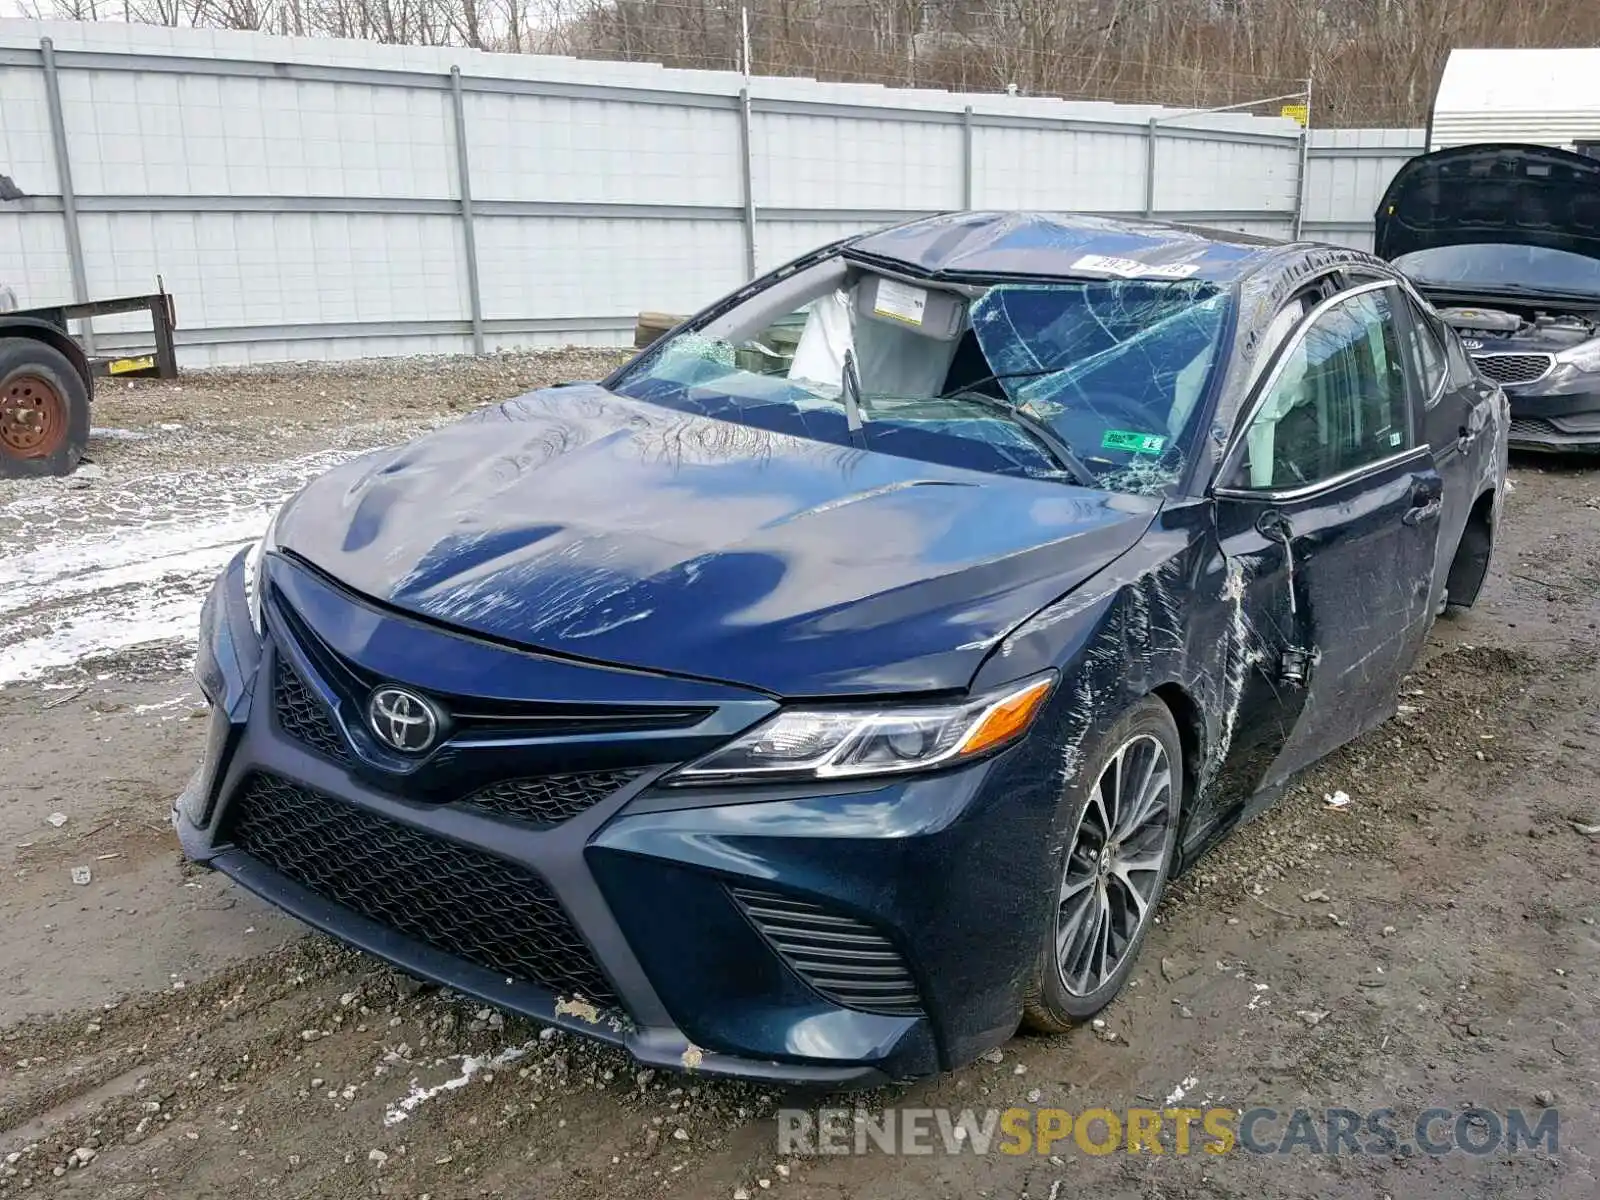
(162, 363)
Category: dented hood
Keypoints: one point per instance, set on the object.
(582, 523)
(1492, 193)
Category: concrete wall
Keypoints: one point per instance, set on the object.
(1347, 172)
(308, 199)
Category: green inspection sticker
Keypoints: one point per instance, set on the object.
(1137, 443)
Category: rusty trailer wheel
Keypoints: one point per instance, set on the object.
(33, 417)
(44, 409)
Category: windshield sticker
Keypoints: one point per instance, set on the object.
(1130, 268)
(900, 302)
(1136, 443)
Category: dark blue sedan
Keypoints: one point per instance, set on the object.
(836, 686)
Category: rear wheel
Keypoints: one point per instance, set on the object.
(1118, 824)
(44, 409)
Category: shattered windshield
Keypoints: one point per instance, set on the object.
(1096, 382)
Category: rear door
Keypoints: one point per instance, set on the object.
(1457, 422)
(1332, 486)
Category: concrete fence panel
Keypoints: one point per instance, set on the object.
(312, 199)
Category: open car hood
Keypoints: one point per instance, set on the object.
(1495, 192)
(578, 522)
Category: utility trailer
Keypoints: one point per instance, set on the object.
(47, 378)
(1528, 96)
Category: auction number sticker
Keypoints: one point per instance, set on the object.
(1130, 268)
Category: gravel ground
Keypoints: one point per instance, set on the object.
(163, 1034)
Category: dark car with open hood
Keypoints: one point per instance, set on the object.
(837, 685)
(1504, 239)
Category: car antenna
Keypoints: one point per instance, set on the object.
(850, 391)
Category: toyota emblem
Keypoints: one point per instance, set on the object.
(403, 720)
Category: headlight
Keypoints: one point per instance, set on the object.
(267, 543)
(842, 743)
(1583, 357)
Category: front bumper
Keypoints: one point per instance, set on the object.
(1555, 421)
(655, 882)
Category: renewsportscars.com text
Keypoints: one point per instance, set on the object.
(1258, 1130)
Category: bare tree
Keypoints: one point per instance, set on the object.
(1373, 61)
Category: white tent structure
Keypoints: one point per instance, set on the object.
(1546, 97)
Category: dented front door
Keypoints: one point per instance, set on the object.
(1362, 577)
(1254, 640)
(1330, 501)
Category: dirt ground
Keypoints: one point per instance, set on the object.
(164, 1034)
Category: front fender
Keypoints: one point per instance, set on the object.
(1135, 629)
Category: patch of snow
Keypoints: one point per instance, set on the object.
(98, 632)
(471, 1065)
(130, 566)
(1182, 1090)
(182, 698)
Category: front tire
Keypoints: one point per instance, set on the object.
(1117, 826)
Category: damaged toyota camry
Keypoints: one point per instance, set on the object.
(1505, 240)
(836, 686)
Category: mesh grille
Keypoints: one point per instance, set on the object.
(1530, 429)
(301, 715)
(456, 899)
(846, 960)
(1514, 368)
(551, 799)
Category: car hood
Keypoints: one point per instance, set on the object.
(578, 522)
(1514, 194)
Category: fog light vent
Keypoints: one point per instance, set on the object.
(844, 959)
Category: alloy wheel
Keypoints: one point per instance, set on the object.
(1114, 868)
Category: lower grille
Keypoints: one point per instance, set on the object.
(1514, 368)
(453, 898)
(551, 799)
(1530, 429)
(302, 715)
(846, 960)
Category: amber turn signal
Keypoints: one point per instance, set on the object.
(1007, 718)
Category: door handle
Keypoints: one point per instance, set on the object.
(1423, 513)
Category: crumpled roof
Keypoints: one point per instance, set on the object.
(1038, 244)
